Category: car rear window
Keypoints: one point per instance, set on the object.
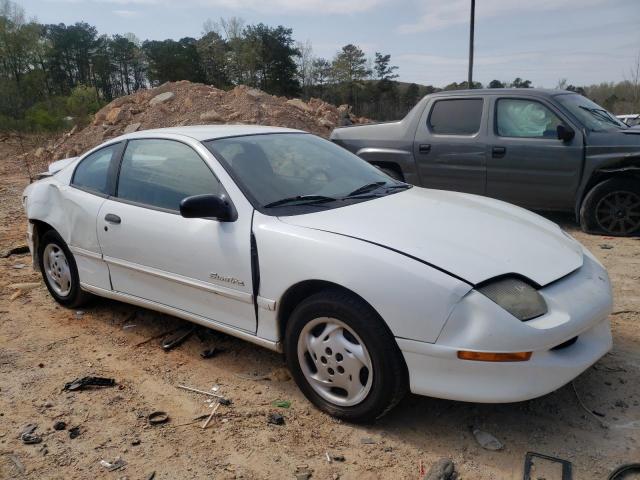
(456, 117)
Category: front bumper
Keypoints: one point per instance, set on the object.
(579, 305)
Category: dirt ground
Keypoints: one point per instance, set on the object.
(43, 346)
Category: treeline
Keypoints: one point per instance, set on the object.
(52, 76)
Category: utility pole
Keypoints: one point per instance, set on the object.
(471, 28)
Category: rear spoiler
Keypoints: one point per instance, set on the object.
(55, 167)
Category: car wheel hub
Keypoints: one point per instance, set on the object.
(335, 361)
(56, 268)
(619, 212)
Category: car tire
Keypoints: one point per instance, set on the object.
(612, 207)
(59, 271)
(359, 353)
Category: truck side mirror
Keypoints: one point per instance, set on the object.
(565, 133)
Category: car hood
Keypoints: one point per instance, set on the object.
(471, 237)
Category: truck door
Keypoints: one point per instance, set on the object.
(528, 165)
(450, 145)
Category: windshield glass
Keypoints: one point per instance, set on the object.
(592, 115)
(294, 170)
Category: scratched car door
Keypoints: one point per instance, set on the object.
(201, 266)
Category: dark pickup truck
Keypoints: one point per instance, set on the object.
(541, 149)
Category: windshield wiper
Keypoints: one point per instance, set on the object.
(366, 188)
(305, 199)
(601, 114)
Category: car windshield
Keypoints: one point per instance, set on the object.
(592, 115)
(299, 172)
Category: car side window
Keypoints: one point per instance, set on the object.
(161, 173)
(456, 117)
(524, 118)
(92, 173)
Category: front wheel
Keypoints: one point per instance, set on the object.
(59, 271)
(612, 207)
(343, 357)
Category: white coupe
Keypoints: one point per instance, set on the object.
(370, 287)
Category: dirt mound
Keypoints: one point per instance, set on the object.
(185, 103)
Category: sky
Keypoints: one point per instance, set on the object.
(582, 41)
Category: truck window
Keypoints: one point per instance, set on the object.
(525, 119)
(456, 117)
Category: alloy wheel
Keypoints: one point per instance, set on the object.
(618, 212)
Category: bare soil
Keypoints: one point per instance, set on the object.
(43, 346)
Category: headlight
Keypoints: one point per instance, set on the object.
(516, 296)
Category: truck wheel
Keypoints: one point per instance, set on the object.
(60, 272)
(343, 357)
(612, 207)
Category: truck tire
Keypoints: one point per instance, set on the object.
(612, 207)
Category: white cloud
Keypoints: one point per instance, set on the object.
(439, 14)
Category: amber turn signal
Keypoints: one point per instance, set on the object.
(494, 357)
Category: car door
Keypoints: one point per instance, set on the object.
(450, 145)
(92, 182)
(528, 164)
(197, 265)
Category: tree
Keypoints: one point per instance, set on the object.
(382, 69)
(349, 70)
(496, 84)
(213, 50)
(520, 83)
(411, 96)
(304, 63)
(169, 61)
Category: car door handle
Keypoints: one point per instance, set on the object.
(498, 151)
(111, 218)
(424, 148)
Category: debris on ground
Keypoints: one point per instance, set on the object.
(529, 465)
(211, 352)
(303, 472)
(24, 286)
(281, 403)
(117, 464)
(487, 441)
(84, 382)
(443, 469)
(177, 338)
(19, 250)
(606, 246)
(158, 418)
(59, 425)
(74, 432)
(275, 419)
(186, 103)
(367, 441)
(28, 435)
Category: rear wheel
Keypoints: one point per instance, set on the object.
(612, 207)
(343, 357)
(59, 271)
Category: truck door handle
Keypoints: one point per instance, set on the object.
(498, 151)
(111, 218)
(424, 148)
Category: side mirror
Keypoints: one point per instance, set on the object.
(207, 206)
(565, 133)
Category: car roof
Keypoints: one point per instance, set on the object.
(531, 92)
(210, 132)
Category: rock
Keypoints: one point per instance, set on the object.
(296, 102)
(161, 98)
(275, 419)
(24, 286)
(367, 441)
(255, 93)
(60, 425)
(116, 115)
(211, 116)
(39, 152)
(487, 441)
(443, 469)
(74, 432)
(133, 127)
(325, 123)
(280, 375)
